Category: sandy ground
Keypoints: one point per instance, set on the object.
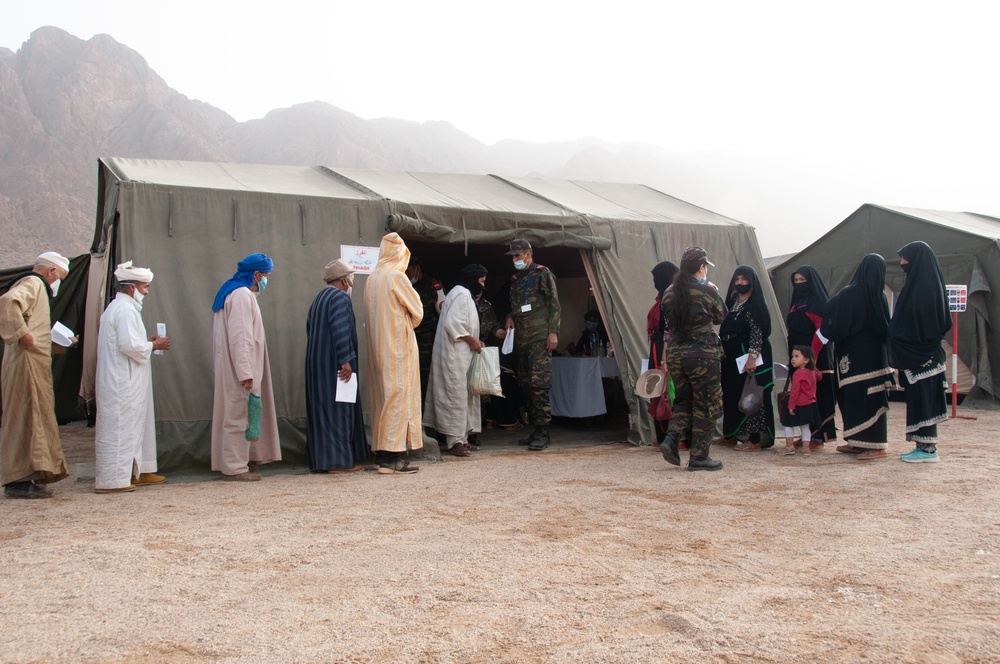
(597, 553)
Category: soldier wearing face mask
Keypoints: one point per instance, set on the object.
(30, 450)
(534, 317)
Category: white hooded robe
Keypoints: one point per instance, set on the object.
(125, 436)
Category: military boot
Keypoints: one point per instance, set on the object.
(699, 460)
(541, 441)
(668, 448)
(531, 437)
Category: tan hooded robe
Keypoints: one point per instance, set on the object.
(393, 310)
(29, 436)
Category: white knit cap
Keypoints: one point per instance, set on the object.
(52, 259)
(126, 272)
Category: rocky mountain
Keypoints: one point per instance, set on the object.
(65, 102)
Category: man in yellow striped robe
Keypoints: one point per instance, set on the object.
(393, 310)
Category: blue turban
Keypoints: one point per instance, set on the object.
(243, 277)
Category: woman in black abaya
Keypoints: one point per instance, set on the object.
(746, 331)
(656, 328)
(805, 317)
(919, 321)
(857, 322)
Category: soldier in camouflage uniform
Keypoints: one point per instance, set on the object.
(691, 306)
(431, 296)
(534, 317)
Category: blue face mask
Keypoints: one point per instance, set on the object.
(520, 265)
(591, 326)
(262, 284)
(703, 280)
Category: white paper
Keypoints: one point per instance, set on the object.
(508, 343)
(348, 392)
(161, 331)
(62, 335)
(741, 362)
(645, 366)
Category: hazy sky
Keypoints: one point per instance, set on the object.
(910, 88)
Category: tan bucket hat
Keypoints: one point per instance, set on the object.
(651, 384)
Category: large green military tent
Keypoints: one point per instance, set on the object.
(967, 246)
(191, 222)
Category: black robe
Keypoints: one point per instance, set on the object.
(736, 332)
(805, 317)
(919, 321)
(857, 322)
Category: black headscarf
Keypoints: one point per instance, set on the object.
(811, 293)
(920, 317)
(663, 275)
(469, 278)
(860, 303)
(755, 305)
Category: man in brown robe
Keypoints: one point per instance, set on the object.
(242, 369)
(30, 451)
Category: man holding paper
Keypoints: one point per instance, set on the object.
(534, 318)
(30, 451)
(125, 437)
(335, 431)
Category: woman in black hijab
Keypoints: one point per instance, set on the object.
(919, 321)
(746, 331)
(805, 317)
(857, 322)
(656, 329)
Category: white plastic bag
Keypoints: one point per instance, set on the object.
(484, 373)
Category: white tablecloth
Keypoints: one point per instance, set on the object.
(577, 390)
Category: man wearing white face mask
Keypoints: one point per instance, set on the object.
(30, 451)
(125, 439)
(335, 430)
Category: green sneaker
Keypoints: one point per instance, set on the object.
(919, 456)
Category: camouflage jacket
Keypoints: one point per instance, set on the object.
(488, 322)
(705, 309)
(534, 289)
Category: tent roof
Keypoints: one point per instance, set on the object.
(966, 222)
(467, 192)
(620, 201)
(290, 180)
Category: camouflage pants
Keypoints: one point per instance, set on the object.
(534, 375)
(697, 401)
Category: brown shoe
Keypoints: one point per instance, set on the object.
(816, 445)
(872, 455)
(242, 477)
(343, 470)
(850, 449)
(148, 478)
(746, 447)
(459, 450)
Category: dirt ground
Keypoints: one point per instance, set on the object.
(599, 553)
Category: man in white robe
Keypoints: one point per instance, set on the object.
(241, 369)
(449, 408)
(125, 435)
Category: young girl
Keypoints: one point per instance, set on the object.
(802, 409)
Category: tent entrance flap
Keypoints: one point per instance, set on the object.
(554, 235)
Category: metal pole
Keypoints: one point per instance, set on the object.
(954, 364)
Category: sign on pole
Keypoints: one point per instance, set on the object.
(958, 301)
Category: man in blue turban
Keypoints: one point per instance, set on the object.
(242, 376)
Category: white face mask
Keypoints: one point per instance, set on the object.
(137, 296)
(55, 287)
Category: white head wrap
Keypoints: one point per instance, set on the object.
(52, 259)
(126, 272)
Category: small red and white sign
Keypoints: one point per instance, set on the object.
(361, 259)
(958, 297)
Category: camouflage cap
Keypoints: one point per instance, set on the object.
(519, 245)
(696, 254)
